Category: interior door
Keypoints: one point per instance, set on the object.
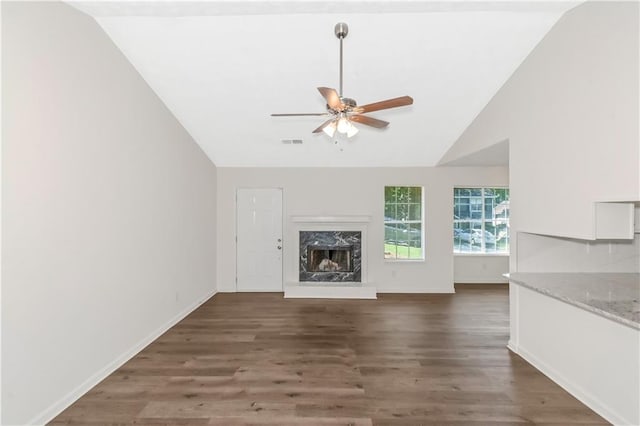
(259, 239)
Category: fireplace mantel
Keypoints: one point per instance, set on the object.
(330, 219)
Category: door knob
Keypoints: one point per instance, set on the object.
(279, 247)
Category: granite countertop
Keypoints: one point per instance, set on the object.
(612, 295)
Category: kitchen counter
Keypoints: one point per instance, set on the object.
(612, 295)
(582, 330)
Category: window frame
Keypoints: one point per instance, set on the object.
(408, 223)
(482, 221)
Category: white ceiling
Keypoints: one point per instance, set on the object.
(222, 67)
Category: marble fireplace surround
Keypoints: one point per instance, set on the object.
(341, 289)
(318, 248)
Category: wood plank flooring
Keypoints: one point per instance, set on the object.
(259, 359)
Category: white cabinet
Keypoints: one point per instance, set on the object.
(614, 221)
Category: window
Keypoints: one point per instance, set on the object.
(481, 220)
(403, 223)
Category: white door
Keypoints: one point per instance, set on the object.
(259, 239)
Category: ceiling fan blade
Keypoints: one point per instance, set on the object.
(332, 97)
(323, 125)
(386, 104)
(300, 114)
(369, 121)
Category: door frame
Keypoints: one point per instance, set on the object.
(284, 247)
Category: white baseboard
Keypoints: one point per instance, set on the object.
(56, 408)
(417, 290)
(578, 392)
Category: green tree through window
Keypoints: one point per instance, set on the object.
(403, 230)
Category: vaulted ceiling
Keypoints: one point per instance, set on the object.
(222, 67)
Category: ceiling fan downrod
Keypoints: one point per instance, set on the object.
(341, 30)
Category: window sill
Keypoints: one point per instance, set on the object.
(403, 260)
(481, 254)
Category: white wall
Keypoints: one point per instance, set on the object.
(571, 115)
(555, 254)
(480, 269)
(357, 191)
(109, 211)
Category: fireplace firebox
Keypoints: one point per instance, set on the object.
(330, 259)
(330, 256)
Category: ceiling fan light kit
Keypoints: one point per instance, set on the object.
(345, 111)
(330, 129)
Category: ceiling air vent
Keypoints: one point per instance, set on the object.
(292, 141)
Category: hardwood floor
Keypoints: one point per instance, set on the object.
(259, 359)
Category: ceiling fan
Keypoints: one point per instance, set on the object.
(345, 111)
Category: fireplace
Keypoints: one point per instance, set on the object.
(330, 256)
